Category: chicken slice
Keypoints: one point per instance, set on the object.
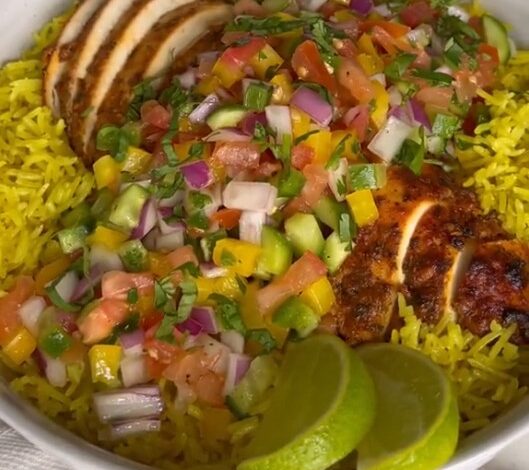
(496, 287)
(60, 55)
(87, 46)
(367, 283)
(110, 61)
(171, 45)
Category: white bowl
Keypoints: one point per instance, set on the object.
(18, 21)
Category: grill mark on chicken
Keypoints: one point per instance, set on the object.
(496, 287)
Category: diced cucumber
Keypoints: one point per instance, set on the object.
(127, 208)
(251, 389)
(329, 211)
(335, 252)
(276, 256)
(304, 233)
(295, 314)
(72, 239)
(496, 35)
(134, 256)
(226, 116)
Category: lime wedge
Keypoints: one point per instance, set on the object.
(322, 406)
(417, 422)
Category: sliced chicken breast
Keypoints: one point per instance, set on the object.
(111, 60)
(496, 288)
(86, 48)
(171, 45)
(61, 53)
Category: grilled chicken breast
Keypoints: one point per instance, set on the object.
(496, 287)
(60, 55)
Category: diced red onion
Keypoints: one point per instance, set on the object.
(238, 365)
(67, 285)
(383, 10)
(211, 271)
(311, 5)
(204, 109)
(458, 12)
(388, 141)
(338, 176)
(217, 352)
(401, 113)
(234, 340)
(313, 104)
(380, 78)
(228, 135)
(214, 192)
(362, 7)
(67, 321)
(353, 113)
(106, 259)
(198, 175)
(132, 340)
(190, 326)
(149, 241)
(251, 226)
(188, 78)
(55, 371)
(131, 428)
(421, 36)
(134, 371)
(30, 313)
(147, 220)
(278, 118)
(172, 201)
(128, 404)
(87, 283)
(170, 242)
(251, 120)
(164, 213)
(419, 114)
(251, 196)
(445, 69)
(395, 97)
(170, 227)
(205, 316)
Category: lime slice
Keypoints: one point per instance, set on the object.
(417, 422)
(322, 406)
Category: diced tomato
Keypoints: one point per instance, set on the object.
(155, 369)
(417, 13)
(9, 304)
(423, 60)
(306, 270)
(181, 256)
(355, 81)
(155, 114)
(329, 8)
(475, 116)
(395, 30)
(465, 85)
(117, 284)
(315, 185)
(238, 155)
(302, 155)
(488, 62)
(239, 55)
(357, 119)
(347, 48)
(75, 353)
(162, 351)
(150, 320)
(308, 65)
(100, 321)
(436, 96)
(227, 218)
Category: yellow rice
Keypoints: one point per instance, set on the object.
(497, 161)
(40, 177)
(486, 372)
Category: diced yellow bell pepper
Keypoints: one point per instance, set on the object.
(295, 33)
(350, 143)
(381, 104)
(253, 319)
(21, 347)
(282, 92)
(208, 85)
(321, 143)
(182, 150)
(300, 122)
(370, 64)
(145, 304)
(343, 15)
(226, 74)
(267, 58)
(319, 296)
(214, 425)
(228, 286)
(238, 256)
(363, 207)
(107, 173)
(107, 237)
(137, 161)
(104, 363)
(365, 44)
(159, 265)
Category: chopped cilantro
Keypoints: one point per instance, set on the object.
(337, 153)
(227, 259)
(198, 219)
(445, 126)
(199, 200)
(435, 78)
(396, 69)
(305, 136)
(132, 296)
(264, 338)
(411, 155)
(268, 26)
(142, 92)
(229, 313)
